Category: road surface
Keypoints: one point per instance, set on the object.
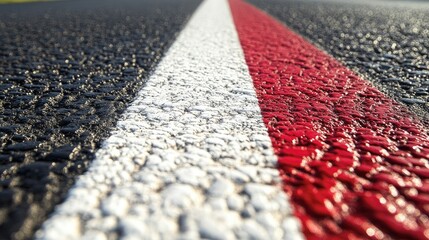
(214, 119)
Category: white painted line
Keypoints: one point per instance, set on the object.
(190, 158)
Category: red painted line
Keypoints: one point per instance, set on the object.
(354, 162)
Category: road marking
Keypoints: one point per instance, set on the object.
(354, 162)
(190, 158)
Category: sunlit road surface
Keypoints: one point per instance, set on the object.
(219, 119)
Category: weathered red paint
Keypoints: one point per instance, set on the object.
(354, 162)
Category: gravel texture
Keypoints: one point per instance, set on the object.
(385, 42)
(190, 158)
(67, 70)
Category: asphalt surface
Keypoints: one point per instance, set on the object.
(385, 42)
(67, 70)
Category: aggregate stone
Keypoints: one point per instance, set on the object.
(217, 204)
(235, 202)
(210, 229)
(252, 230)
(133, 227)
(260, 202)
(68, 69)
(221, 188)
(115, 206)
(412, 101)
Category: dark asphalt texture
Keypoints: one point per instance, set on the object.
(67, 70)
(385, 42)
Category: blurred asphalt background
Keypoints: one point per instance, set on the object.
(385, 42)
